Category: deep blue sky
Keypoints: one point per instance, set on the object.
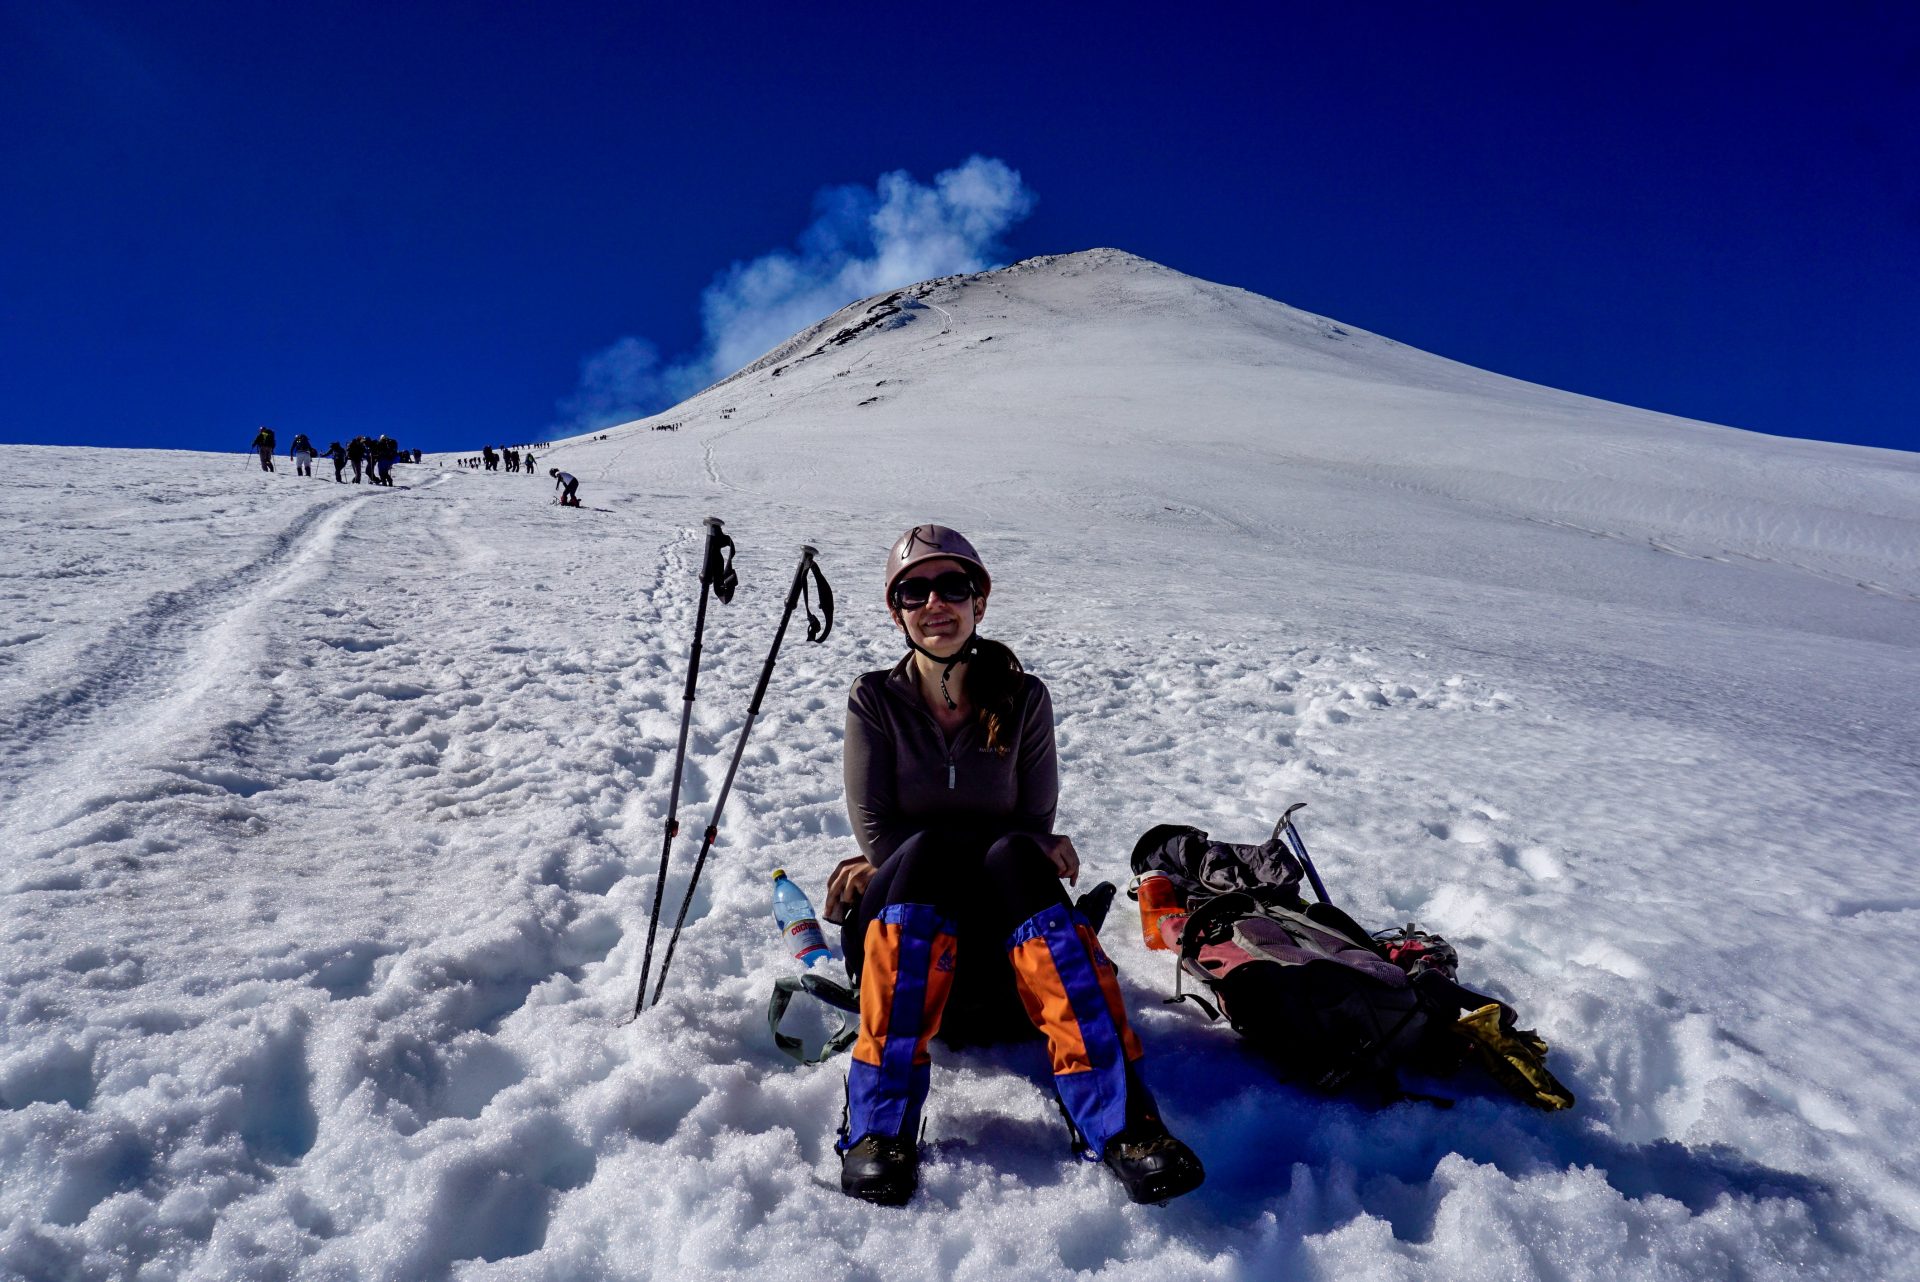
(419, 218)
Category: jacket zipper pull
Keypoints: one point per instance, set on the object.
(949, 776)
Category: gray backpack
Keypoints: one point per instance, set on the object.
(1303, 983)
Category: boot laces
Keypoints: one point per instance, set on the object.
(1146, 1139)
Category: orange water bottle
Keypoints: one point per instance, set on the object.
(1159, 900)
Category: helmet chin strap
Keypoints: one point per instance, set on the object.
(960, 656)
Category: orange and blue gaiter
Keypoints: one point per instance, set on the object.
(906, 976)
(1073, 996)
(1065, 981)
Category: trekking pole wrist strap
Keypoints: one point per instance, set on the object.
(716, 567)
(827, 991)
(817, 629)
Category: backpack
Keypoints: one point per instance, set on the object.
(1324, 1001)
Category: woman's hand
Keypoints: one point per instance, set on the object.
(1065, 859)
(845, 886)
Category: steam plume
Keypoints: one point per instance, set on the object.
(861, 241)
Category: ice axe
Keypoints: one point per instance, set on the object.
(1285, 826)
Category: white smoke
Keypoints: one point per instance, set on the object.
(614, 383)
(862, 241)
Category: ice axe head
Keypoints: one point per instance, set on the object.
(1285, 829)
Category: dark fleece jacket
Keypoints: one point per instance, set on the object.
(903, 775)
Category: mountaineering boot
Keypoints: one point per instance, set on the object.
(1096, 903)
(1148, 1161)
(1151, 1164)
(883, 1169)
(903, 992)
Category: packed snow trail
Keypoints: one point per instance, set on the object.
(321, 917)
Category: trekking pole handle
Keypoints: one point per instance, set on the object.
(716, 561)
(817, 630)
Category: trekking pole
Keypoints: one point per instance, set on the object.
(1300, 848)
(717, 577)
(816, 632)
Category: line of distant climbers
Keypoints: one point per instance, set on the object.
(518, 458)
(375, 455)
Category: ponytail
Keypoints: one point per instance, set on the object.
(993, 687)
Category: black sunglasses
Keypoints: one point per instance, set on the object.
(953, 587)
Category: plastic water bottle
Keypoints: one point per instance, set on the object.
(798, 922)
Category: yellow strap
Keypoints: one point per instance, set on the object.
(1515, 1057)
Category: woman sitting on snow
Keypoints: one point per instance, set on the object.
(955, 907)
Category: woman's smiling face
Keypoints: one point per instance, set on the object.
(940, 627)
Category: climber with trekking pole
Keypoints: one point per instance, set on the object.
(717, 578)
(817, 631)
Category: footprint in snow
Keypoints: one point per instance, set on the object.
(1889, 904)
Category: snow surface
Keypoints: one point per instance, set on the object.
(331, 815)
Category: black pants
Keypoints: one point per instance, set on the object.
(989, 887)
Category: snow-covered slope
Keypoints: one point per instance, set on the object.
(331, 816)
